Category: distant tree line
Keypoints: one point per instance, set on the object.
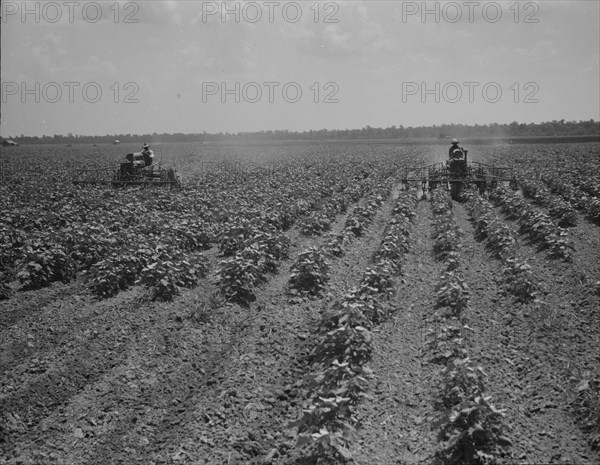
(513, 130)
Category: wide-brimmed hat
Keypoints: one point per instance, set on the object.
(455, 141)
(145, 146)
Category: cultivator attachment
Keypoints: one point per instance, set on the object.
(456, 175)
(128, 175)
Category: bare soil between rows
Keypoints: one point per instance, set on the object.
(125, 380)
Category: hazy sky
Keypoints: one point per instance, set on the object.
(138, 67)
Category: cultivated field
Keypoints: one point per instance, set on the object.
(292, 305)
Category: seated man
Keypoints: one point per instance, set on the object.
(455, 151)
(147, 154)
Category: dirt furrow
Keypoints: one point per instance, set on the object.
(56, 323)
(395, 421)
(569, 315)
(145, 404)
(88, 361)
(41, 324)
(47, 378)
(26, 304)
(49, 406)
(519, 360)
(244, 415)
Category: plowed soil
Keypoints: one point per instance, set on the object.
(126, 380)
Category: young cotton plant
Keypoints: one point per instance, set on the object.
(348, 343)
(446, 237)
(500, 240)
(44, 264)
(394, 245)
(377, 280)
(335, 245)
(538, 225)
(330, 444)
(352, 309)
(442, 203)
(237, 278)
(235, 237)
(310, 273)
(118, 271)
(453, 292)
(315, 225)
(327, 422)
(470, 426)
(520, 280)
(167, 273)
(267, 248)
(357, 222)
(447, 342)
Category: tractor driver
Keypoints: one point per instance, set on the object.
(455, 152)
(147, 154)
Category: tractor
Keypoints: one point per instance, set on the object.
(134, 171)
(457, 173)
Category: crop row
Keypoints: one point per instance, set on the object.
(113, 236)
(469, 426)
(520, 280)
(517, 275)
(562, 211)
(310, 271)
(107, 237)
(578, 166)
(344, 345)
(446, 235)
(257, 247)
(322, 217)
(537, 224)
(569, 171)
(580, 198)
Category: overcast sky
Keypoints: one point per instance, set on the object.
(180, 66)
